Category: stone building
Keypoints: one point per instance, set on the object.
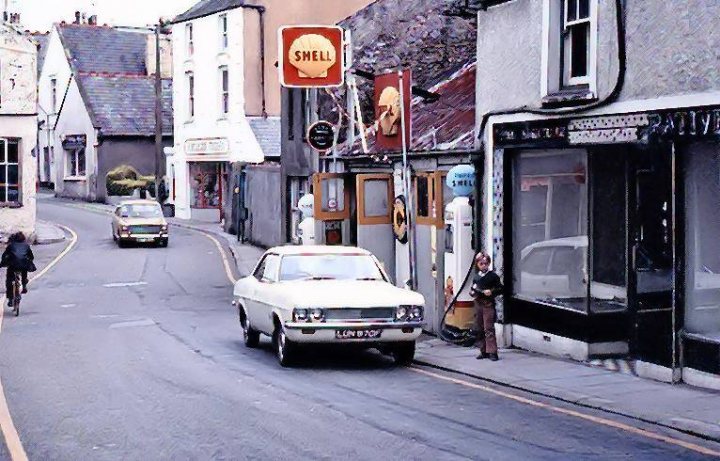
(600, 127)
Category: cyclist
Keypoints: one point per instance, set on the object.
(18, 257)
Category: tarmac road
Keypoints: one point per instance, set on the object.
(137, 354)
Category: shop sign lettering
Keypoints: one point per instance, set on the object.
(206, 146)
(687, 123)
(521, 133)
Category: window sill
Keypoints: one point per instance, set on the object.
(75, 178)
(10, 205)
(223, 118)
(569, 96)
(189, 121)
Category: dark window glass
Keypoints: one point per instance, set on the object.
(13, 194)
(2, 150)
(81, 162)
(13, 152)
(12, 174)
(3, 194)
(423, 196)
(584, 9)
(579, 59)
(572, 10)
(3, 174)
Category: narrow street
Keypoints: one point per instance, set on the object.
(137, 354)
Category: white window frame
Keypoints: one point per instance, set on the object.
(75, 153)
(53, 94)
(189, 39)
(4, 164)
(567, 42)
(552, 75)
(224, 27)
(224, 102)
(190, 82)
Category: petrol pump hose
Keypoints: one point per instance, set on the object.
(453, 335)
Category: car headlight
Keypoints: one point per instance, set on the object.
(300, 315)
(317, 315)
(401, 313)
(164, 228)
(124, 228)
(406, 313)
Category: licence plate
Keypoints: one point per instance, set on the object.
(144, 240)
(357, 334)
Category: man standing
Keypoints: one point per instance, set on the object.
(485, 288)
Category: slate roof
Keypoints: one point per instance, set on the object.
(414, 34)
(445, 125)
(267, 132)
(104, 49)
(111, 72)
(206, 8)
(42, 39)
(125, 105)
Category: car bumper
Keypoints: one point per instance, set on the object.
(326, 332)
(143, 237)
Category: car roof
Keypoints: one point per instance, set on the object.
(316, 250)
(138, 202)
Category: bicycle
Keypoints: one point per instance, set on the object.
(17, 293)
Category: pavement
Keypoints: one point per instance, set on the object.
(47, 233)
(615, 390)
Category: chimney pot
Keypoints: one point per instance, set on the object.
(92, 20)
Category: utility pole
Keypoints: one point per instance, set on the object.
(158, 113)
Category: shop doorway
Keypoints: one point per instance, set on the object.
(651, 261)
(374, 194)
(206, 186)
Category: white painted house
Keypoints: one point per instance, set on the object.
(212, 128)
(18, 112)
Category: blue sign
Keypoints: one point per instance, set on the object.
(461, 179)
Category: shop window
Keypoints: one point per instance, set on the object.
(550, 228)
(375, 199)
(702, 245)
(10, 178)
(75, 167)
(332, 197)
(206, 185)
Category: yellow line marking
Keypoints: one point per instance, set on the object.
(10, 433)
(576, 414)
(226, 263)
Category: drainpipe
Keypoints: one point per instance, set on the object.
(261, 12)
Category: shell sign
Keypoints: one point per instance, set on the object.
(311, 56)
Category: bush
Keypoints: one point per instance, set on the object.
(124, 179)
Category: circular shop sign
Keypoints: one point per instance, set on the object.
(400, 219)
(321, 135)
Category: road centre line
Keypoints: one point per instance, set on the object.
(12, 438)
(573, 413)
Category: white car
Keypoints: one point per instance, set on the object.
(327, 295)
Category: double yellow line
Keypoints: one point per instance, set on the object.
(10, 433)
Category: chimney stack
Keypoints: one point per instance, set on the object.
(92, 20)
(77, 18)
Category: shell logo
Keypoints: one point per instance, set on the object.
(311, 56)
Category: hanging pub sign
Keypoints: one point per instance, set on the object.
(388, 113)
(690, 123)
(311, 56)
(321, 135)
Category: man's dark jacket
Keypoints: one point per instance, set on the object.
(18, 257)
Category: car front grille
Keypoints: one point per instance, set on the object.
(360, 314)
(145, 229)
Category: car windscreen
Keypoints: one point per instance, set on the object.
(141, 211)
(329, 267)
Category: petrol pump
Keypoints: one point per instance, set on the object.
(306, 228)
(459, 254)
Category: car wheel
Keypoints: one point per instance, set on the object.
(404, 353)
(251, 337)
(121, 243)
(164, 243)
(284, 348)
(115, 238)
